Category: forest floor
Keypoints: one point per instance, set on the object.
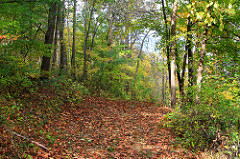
(94, 128)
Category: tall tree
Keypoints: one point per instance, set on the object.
(87, 31)
(140, 54)
(167, 37)
(200, 65)
(45, 66)
(63, 57)
(127, 23)
(190, 59)
(96, 27)
(110, 24)
(173, 53)
(74, 40)
(56, 37)
(180, 75)
(68, 30)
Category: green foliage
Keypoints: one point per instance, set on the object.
(67, 89)
(107, 77)
(142, 88)
(196, 130)
(13, 75)
(200, 127)
(113, 72)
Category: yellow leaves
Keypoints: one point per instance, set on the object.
(146, 67)
(127, 67)
(183, 29)
(200, 15)
(231, 93)
(230, 10)
(183, 14)
(228, 95)
(189, 6)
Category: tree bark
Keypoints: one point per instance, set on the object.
(173, 54)
(134, 41)
(127, 25)
(94, 34)
(167, 47)
(180, 75)
(140, 54)
(73, 70)
(63, 57)
(190, 60)
(87, 28)
(95, 30)
(45, 66)
(68, 31)
(200, 67)
(163, 86)
(110, 28)
(56, 38)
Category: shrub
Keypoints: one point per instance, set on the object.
(13, 78)
(202, 126)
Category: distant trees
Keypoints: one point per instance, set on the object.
(106, 43)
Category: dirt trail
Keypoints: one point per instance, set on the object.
(101, 128)
(96, 128)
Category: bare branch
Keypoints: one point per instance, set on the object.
(26, 138)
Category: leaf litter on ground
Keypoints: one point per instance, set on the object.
(95, 128)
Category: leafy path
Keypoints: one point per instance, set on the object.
(104, 128)
(101, 128)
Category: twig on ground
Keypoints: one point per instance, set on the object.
(26, 138)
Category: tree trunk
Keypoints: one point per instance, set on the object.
(95, 30)
(180, 75)
(87, 31)
(167, 40)
(94, 34)
(140, 54)
(200, 67)
(127, 25)
(110, 28)
(183, 73)
(173, 54)
(134, 41)
(56, 38)
(45, 66)
(68, 31)
(63, 59)
(163, 86)
(73, 70)
(190, 60)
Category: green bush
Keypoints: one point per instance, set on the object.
(201, 126)
(197, 130)
(13, 78)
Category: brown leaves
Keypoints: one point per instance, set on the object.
(102, 128)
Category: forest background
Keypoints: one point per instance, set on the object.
(183, 54)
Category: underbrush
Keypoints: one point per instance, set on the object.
(29, 112)
(13, 76)
(214, 124)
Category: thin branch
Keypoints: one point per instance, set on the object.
(26, 138)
